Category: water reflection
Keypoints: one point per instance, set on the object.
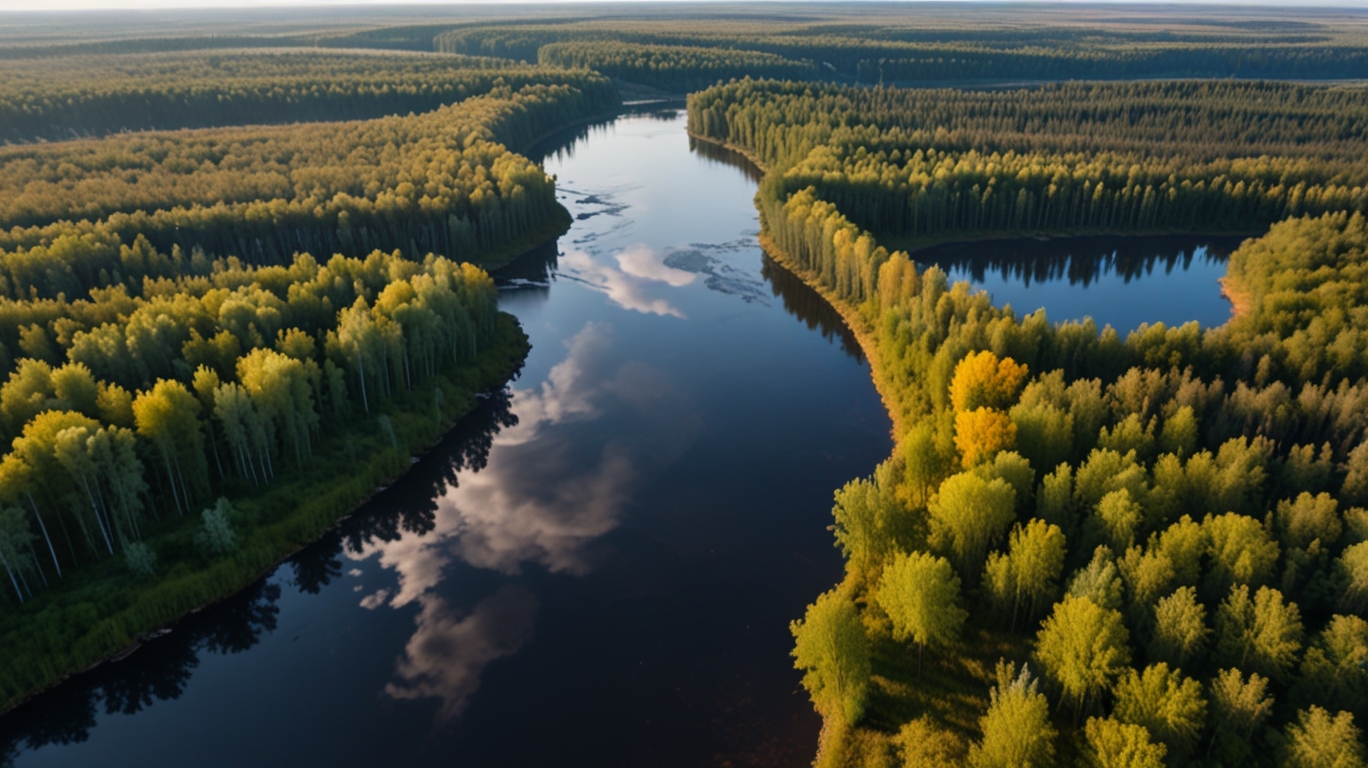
(719, 154)
(446, 655)
(639, 273)
(807, 305)
(157, 672)
(1081, 261)
(554, 490)
(1117, 281)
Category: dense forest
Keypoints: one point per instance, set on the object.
(93, 95)
(225, 318)
(673, 67)
(1126, 551)
(189, 393)
(899, 53)
(910, 164)
(441, 181)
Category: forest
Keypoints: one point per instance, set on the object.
(1122, 551)
(68, 97)
(911, 165)
(244, 278)
(944, 49)
(217, 341)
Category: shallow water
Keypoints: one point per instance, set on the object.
(599, 565)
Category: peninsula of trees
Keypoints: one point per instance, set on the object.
(1123, 551)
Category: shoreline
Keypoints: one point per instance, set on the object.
(505, 372)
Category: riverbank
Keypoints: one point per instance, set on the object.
(271, 523)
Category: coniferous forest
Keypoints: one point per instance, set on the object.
(245, 277)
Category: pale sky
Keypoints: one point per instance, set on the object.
(74, 5)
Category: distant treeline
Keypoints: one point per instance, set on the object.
(439, 182)
(673, 67)
(53, 99)
(1165, 530)
(888, 55)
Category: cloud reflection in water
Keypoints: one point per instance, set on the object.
(557, 481)
(639, 272)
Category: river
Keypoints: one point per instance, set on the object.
(598, 566)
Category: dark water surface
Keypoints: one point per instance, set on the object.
(598, 567)
(1117, 281)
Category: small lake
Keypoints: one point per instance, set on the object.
(1117, 281)
(599, 565)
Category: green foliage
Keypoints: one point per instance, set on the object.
(216, 537)
(1263, 634)
(142, 561)
(923, 745)
(1099, 581)
(833, 652)
(921, 594)
(968, 515)
(1321, 740)
(1239, 707)
(1169, 706)
(676, 68)
(1016, 728)
(1083, 649)
(54, 98)
(871, 523)
(1180, 630)
(1027, 576)
(1114, 744)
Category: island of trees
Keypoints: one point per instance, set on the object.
(1124, 551)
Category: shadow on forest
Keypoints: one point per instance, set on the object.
(162, 667)
(1079, 260)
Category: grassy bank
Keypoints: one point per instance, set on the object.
(102, 607)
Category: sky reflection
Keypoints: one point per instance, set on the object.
(550, 490)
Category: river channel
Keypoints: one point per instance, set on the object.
(598, 566)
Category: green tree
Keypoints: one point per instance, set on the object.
(1335, 668)
(1099, 581)
(968, 515)
(1307, 519)
(1180, 630)
(922, 743)
(1167, 704)
(1352, 569)
(920, 594)
(1241, 551)
(870, 523)
(168, 416)
(1029, 571)
(832, 650)
(1263, 634)
(1115, 521)
(1113, 744)
(1083, 648)
(1238, 708)
(215, 537)
(1016, 728)
(1321, 740)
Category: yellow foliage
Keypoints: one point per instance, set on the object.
(981, 433)
(983, 380)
